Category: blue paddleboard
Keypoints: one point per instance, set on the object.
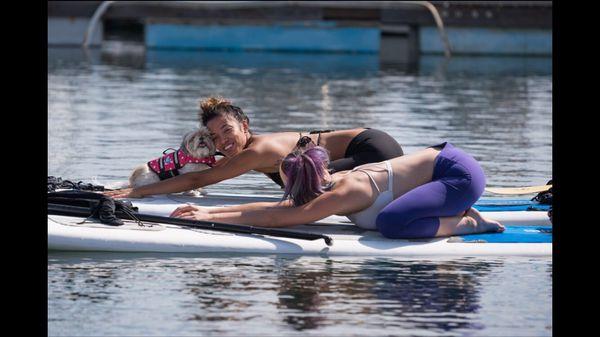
(514, 234)
(506, 204)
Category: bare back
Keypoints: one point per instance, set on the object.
(275, 146)
(410, 171)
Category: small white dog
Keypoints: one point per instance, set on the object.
(195, 154)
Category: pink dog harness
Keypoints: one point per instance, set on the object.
(168, 165)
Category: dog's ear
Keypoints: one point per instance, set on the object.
(204, 132)
(188, 141)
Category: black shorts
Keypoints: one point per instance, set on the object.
(369, 146)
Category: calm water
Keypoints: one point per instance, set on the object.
(110, 112)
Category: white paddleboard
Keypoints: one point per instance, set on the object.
(65, 233)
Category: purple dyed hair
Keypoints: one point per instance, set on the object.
(304, 169)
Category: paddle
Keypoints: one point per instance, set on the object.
(222, 227)
(518, 190)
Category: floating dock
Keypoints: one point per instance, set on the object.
(397, 31)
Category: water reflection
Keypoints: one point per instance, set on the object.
(250, 63)
(486, 66)
(211, 289)
(431, 296)
(280, 293)
(303, 292)
(100, 279)
(82, 281)
(135, 55)
(420, 295)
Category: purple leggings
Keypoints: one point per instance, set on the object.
(457, 183)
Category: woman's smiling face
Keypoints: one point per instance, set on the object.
(229, 135)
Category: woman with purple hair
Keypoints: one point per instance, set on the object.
(426, 194)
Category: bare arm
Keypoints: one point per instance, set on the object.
(247, 160)
(341, 200)
(236, 208)
(255, 206)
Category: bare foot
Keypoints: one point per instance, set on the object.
(484, 224)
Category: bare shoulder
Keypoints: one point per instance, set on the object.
(352, 184)
(279, 142)
(354, 131)
(261, 140)
(352, 194)
(267, 150)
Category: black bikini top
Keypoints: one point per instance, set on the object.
(301, 142)
(319, 132)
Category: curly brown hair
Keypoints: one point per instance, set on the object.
(212, 107)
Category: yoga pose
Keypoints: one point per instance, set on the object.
(426, 194)
(245, 151)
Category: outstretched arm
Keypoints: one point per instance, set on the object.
(329, 203)
(245, 161)
(227, 209)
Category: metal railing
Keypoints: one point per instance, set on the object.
(271, 4)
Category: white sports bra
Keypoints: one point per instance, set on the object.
(366, 218)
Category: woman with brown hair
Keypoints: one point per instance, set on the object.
(245, 151)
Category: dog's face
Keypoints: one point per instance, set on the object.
(198, 143)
